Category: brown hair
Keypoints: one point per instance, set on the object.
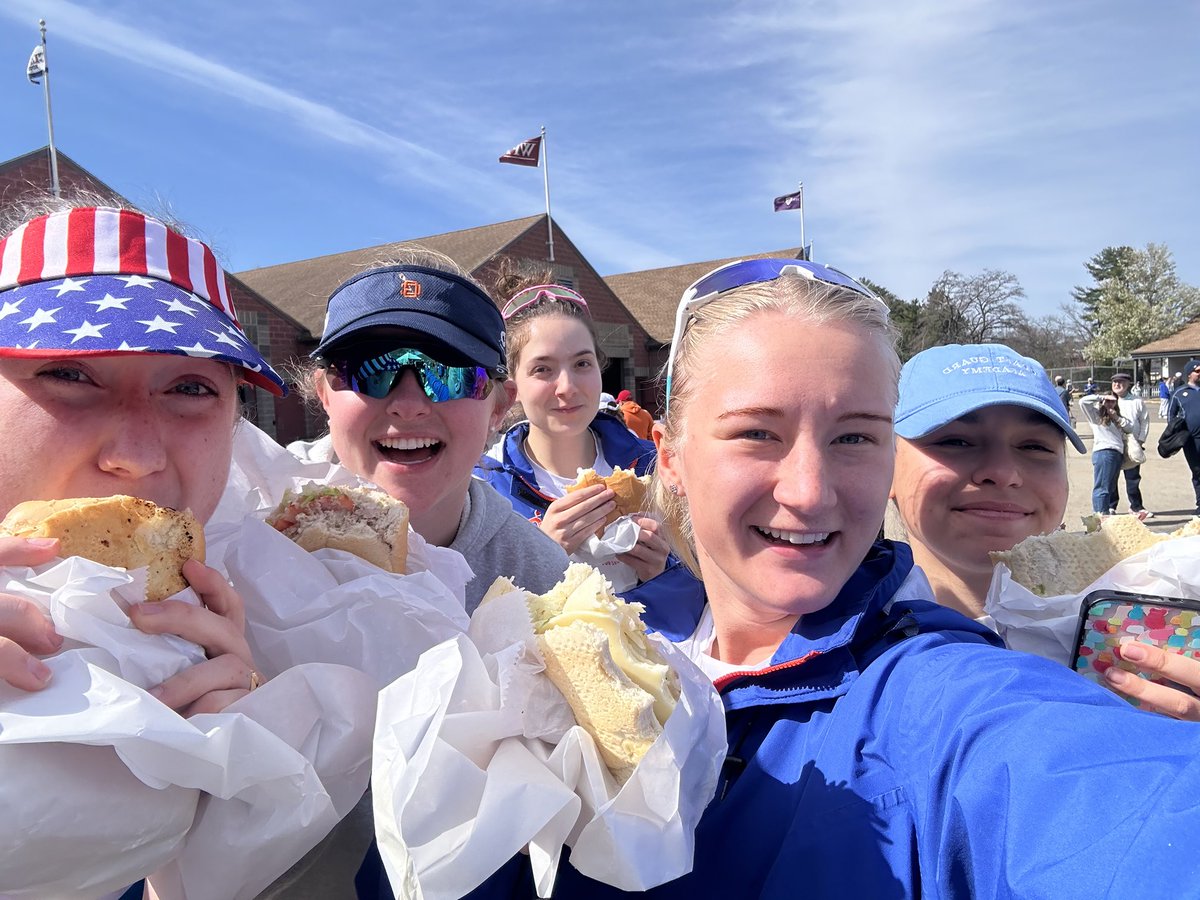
(510, 279)
(801, 298)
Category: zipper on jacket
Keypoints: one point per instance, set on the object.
(725, 680)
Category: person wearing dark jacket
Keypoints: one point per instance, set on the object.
(879, 745)
(1185, 404)
(555, 360)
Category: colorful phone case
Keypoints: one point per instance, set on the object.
(1108, 619)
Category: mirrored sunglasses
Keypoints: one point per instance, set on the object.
(750, 271)
(379, 375)
(531, 296)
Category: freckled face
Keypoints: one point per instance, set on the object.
(785, 461)
(983, 482)
(155, 426)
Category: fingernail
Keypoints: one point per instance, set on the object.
(54, 639)
(156, 692)
(149, 609)
(41, 543)
(1116, 676)
(1133, 652)
(39, 669)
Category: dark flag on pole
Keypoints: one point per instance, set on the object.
(37, 64)
(790, 201)
(525, 153)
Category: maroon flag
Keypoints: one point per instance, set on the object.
(790, 201)
(525, 153)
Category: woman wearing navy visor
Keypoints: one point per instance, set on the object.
(410, 371)
(880, 745)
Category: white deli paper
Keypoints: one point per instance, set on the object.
(1046, 626)
(106, 784)
(477, 755)
(600, 551)
(328, 606)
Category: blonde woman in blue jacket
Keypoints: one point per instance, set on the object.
(879, 745)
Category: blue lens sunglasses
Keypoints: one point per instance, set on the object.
(379, 375)
(741, 273)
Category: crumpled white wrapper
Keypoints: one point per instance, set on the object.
(328, 606)
(106, 784)
(477, 755)
(1046, 626)
(600, 551)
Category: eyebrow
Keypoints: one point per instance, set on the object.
(573, 356)
(774, 413)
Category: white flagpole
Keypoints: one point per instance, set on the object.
(546, 180)
(803, 252)
(49, 115)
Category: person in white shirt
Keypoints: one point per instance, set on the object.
(1134, 409)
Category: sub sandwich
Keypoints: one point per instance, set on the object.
(629, 487)
(1065, 562)
(596, 652)
(363, 521)
(116, 531)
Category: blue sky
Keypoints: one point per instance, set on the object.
(960, 134)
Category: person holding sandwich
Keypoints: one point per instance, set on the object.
(120, 360)
(410, 371)
(981, 444)
(880, 745)
(554, 355)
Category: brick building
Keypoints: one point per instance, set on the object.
(278, 336)
(302, 288)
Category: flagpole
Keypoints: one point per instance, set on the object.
(49, 115)
(546, 180)
(803, 252)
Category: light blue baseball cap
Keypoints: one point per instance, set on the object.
(942, 384)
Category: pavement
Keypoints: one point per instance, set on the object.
(1166, 483)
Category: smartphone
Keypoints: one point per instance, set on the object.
(1108, 619)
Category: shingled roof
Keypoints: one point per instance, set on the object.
(1183, 342)
(653, 294)
(303, 287)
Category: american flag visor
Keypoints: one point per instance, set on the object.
(95, 280)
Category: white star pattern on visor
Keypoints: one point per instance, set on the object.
(158, 323)
(40, 317)
(70, 284)
(86, 330)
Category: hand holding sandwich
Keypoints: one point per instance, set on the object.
(219, 626)
(24, 631)
(648, 558)
(572, 519)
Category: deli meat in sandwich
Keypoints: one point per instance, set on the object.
(116, 531)
(366, 522)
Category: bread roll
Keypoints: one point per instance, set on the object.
(629, 487)
(116, 531)
(598, 655)
(1065, 562)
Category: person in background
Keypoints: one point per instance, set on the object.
(879, 745)
(555, 359)
(1164, 397)
(1133, 409)
(1185, 402)
(1063, 388)
(637, 419)
(1109, 428)
(410, 371)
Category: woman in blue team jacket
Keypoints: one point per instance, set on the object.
(554, 358)
(879, 745)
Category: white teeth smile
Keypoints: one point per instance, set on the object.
(407, 443)
(796, 537)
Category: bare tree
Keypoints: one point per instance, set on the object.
(973, 310)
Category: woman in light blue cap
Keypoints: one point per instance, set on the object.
(981, 440)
